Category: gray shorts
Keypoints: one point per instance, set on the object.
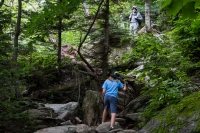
(110, 102)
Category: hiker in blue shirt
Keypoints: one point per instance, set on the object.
(134, 17)
(110, 90)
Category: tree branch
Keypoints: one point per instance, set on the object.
(81, 42)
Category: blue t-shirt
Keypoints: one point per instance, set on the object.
(112, 87)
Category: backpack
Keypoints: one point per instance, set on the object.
(139, 21)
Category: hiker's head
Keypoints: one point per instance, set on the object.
(134, 9)
(115, 75)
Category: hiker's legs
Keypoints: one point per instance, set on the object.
(135, 28)
(104, 115)
(131, 28)
(106, 107)
(112, 122)
(113, 110)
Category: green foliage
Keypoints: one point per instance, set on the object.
(70, 37)
(186, 30)
(165, 93)
(186, 34)
(165, 71)
(39, 68)
(48, 18)
(12, 120)
(5, 51)
(186, 7)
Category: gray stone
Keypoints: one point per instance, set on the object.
(37, 113)
(58, 129)
(63, 115)
(104, 127)
(135, 117)
(63, 110)
(60, 108)
(135, 105)
(66, 123)
(82, 128)
(115, 130)
(121, 120)
(130, 131)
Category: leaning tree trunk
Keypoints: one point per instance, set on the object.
(15, 53)
(106, 46)
(59, 42)
(84, 38)
(147, 16)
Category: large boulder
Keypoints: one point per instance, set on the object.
(135, 105)
(63, 111)
(178, 118)
(58, 129)
(92, 107)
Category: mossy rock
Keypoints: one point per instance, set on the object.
(178, 118)
(92, 107)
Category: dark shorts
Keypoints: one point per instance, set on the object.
(110, 102)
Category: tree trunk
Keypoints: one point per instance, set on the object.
(17, 32)
(59, 42)
(1, 3)
(147, 16)
(1, 27)
(86, 9)
(15, 54)
(106, 47)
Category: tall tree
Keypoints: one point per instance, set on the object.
(1, 26)
(147, 16)
(106, 47)
(16, 39)
(59, 41)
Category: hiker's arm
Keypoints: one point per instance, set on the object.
(124, 88)
(139, 16)
(104, 86)
(103, 91)
(130, 15)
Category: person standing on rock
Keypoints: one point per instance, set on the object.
(135, 20)
(110, 87)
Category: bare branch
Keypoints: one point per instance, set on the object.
(81, 42)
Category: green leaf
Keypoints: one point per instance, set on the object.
(197, 4)
(167, 2)
(188, 11)
(174, 7)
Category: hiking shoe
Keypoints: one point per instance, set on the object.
(111, 128)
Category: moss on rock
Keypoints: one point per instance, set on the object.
(92, 107)
(178, 118)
